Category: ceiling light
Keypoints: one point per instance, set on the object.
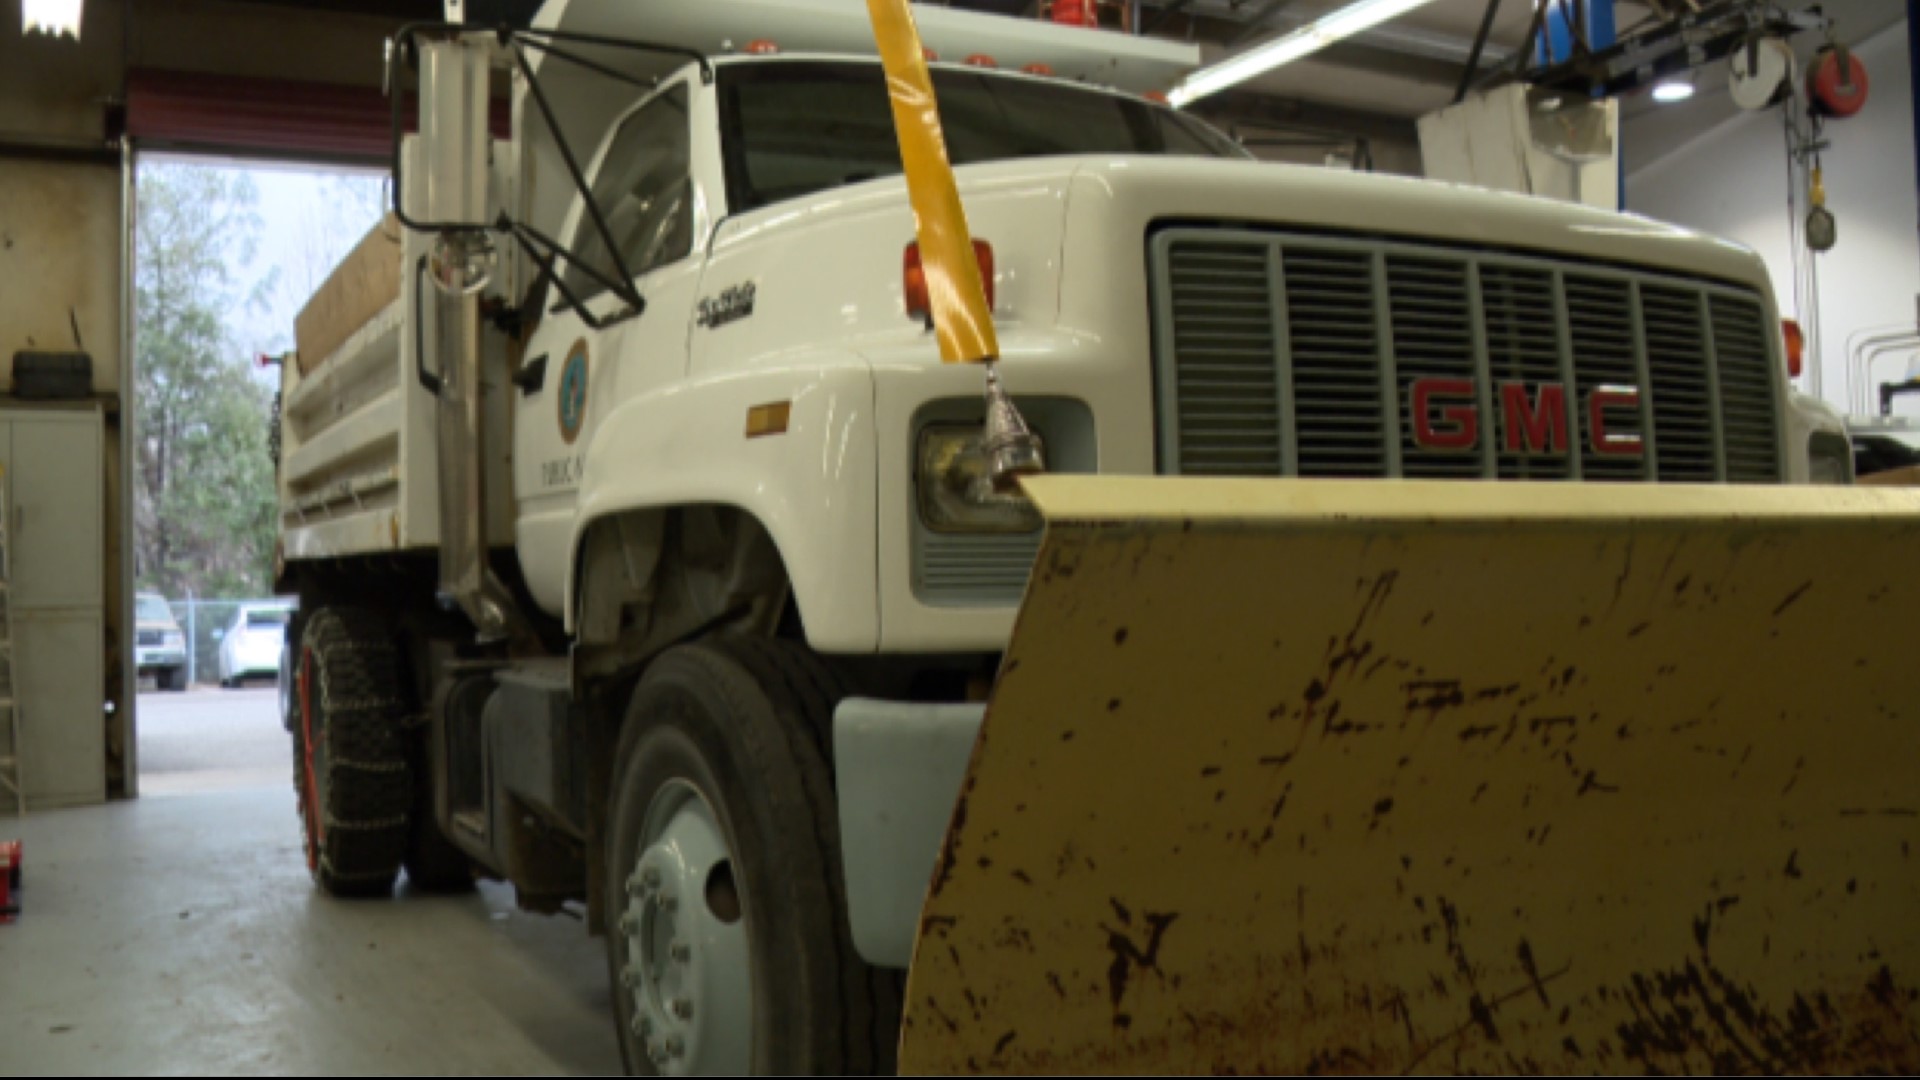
(1305, 41)
(53, 17)
(1668, 91)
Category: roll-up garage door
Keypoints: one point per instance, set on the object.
(307, 121)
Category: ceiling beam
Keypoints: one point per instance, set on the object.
(1362, 55)
(1250, 108)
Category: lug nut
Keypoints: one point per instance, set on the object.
(629, 924)
(650, 877)
(683, 1008)
(680, 951)
(630, 978)
(642, 1027)
(657, 1052)
(669, 903)
(676, 1046)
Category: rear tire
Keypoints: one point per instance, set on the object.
(722, 742)
(349, 757)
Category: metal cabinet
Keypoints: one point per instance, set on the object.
(56, 484)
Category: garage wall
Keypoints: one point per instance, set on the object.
(259, 40)
(60, 254)
(56, 88)
(61, 195)
(1732, 181)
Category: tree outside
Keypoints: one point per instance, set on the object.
(224, 259)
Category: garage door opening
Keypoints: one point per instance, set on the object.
(225, 255)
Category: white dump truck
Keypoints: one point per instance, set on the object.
(649, 557)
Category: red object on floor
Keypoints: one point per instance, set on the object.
(9, 880)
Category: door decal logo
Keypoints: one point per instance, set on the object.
(573, 392)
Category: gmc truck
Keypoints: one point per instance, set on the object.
(646, 552)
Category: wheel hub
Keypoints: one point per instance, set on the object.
(688, 972)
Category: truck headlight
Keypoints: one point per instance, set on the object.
(955, 491)
(1830, 458)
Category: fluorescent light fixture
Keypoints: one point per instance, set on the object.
(52, 17)
(1668, 91)
(1309, 39)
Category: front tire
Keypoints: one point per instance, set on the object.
(349, 760)
(729, 949)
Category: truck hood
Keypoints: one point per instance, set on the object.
(1160, 189)
(1123, 196)
(1070, 238)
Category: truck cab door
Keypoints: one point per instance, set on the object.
(572, 377)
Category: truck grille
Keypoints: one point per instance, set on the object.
(148, 637)
(1280, 355)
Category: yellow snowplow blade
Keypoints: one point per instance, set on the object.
(1402, 777)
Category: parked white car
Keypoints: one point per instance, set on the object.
(250, 645)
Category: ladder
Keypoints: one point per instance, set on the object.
(10, 774)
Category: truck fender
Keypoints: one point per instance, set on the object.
(791, 446)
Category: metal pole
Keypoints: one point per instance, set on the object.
(193, 639)
(129, 690)
(1480, 44)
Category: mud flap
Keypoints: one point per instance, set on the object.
(1396, 777)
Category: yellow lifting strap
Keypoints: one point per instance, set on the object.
(961, 320)
(1306, 776)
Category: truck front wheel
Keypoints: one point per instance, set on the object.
(730, 951)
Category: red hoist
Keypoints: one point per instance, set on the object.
(1837, 82)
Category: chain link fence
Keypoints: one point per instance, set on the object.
(207, 623)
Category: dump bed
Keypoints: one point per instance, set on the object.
(357, 455)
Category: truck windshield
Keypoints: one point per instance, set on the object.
(793, 128)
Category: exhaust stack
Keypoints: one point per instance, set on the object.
(452, 193)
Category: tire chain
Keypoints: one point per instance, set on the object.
(362, 737)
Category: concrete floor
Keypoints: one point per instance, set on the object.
(179, 934)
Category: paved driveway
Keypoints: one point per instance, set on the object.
(208, 739)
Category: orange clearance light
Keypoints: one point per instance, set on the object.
(1156, 96)
(1038, 69)
(769, 419)
(913, 278)
(932, 57)
(1796, 347)
(982, 60)
(763, 47)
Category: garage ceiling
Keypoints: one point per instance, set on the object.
(1372, 85)
(1399, 71)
